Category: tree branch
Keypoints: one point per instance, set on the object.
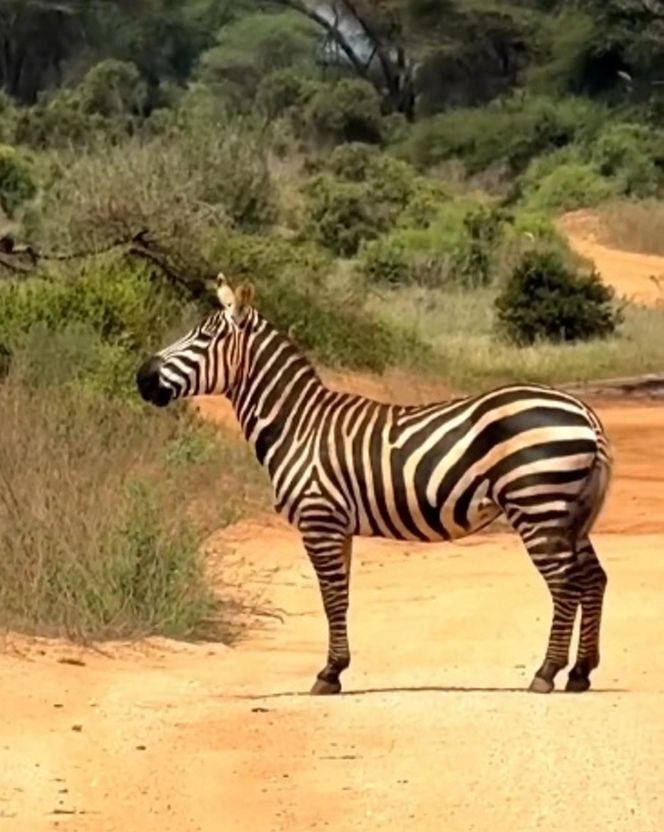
(391, 77)
(331, 29)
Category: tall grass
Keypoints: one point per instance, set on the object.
(103, 509)
(468, 356)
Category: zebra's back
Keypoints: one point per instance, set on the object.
(443, 471)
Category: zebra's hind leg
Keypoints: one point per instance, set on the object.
(592, 580)
(557, 562)
(330, 555)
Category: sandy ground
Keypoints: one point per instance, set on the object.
(434, 731)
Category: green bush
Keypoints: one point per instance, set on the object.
(424, 204)
(284, 93)
(8, 119)
(348, 111)
(353, 162)
(633, 155)
(252, 47)
(457, 248)
(120, 305)
(113, 89)
(293, 295)
(57, 121)
(385, 260)
(570, 186)
(511, 132)
(341, 214)
(545, 300)
(17, 185)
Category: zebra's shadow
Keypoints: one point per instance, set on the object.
(422, 689)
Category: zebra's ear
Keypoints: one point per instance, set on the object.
(225, 292)
(244, 298)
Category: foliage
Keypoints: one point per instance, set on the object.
(113, 88)
(181, 187)
(348, 111)
(121, 305)
(568, 186)
(633, 155)
(8, 118)
(284, 92)
(293, 295)
(252, 47)
(545, 300)
(386, 260)
(512, 131)
(341, 215)
(458, 247)
(17, 184)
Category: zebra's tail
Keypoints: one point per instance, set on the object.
(592, 496)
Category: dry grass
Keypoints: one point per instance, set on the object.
(103, 509)
(468, 357)
(633, 225)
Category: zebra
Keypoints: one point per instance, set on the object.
(342, 465)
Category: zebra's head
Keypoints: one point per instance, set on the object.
(205, 360)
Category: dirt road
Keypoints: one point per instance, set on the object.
(631, 274)
(434, 730)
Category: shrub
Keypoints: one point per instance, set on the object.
(349, 111)
(252, 47)
(293, 295)
(545, 300)
(8, 119)
(569, 186)
(385, 260)
(457, 248)
(113, 89)
(341, 214)
(121, 305)
(57, 121)
(17, 185)
(512, 131)
(353, 162)
(284, 93)
(181, 187)
(76, 355)
(483, 226)
(424, 204)
(633, 155)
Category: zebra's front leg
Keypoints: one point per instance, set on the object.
(331, 556)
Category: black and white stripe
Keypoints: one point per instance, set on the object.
(343, 465)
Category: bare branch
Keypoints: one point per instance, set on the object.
(332, 30)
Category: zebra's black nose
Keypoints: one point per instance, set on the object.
(148, 381)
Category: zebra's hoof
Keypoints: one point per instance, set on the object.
(323, 688)
(577, 684)
(539, 685)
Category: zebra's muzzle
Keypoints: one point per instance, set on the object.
(148, 381)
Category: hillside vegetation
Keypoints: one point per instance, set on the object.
(387, 175)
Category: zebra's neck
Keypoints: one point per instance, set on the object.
(276, 392)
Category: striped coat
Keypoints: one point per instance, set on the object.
(342, 465)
